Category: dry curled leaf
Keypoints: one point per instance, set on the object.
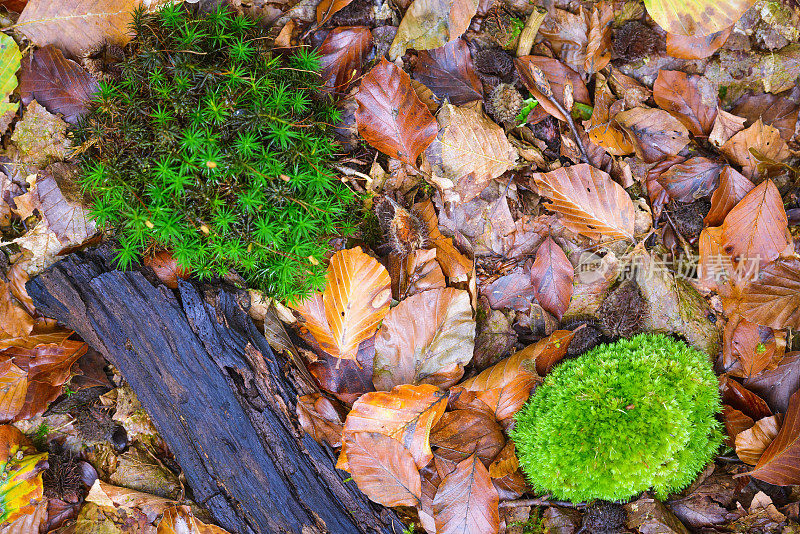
(656, 133)
(751, 443)
(591, 203)
(429, 24)
(602, 128)
(355, 300)
(449, 73)
(692, 99)
(726, 125)
(342, 55)
(390, 116)
(180, 520)
(383, 469)
(428, 338)
(780, 463)
(764, 139)
(552, 275)
(466, 502)
(557, 75)
(456, 266)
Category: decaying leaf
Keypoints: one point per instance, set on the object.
(735, 422)
(702, 17)
(390, 116)
(552, 275)
(696, 47)
(347, 379)
(583, 41)
(456, 266)
(355, 300)
(656, 133)
(462, 433)
(591, 203)
(429, 24)
(383, 469)
(751, 443)
(428, 338)
(749, 348)
(448, 72)
(691, 180)
(777, 385)
(342, 55)
(780, 463)
(41, 136)
(692, 99)
(779, 111)
(602, 128)
(764, 139)
(774, 298)
(320, 419)
(466, 502)
(733, 187)
(10, 57)
(181, 520)
(726, 125)
(469, 151)
(21, 486)
(739, 397)
(558, 76)
(419, 272)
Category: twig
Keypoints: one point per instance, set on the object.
(540, 501)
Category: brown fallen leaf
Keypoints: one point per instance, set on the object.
(406, 413)
(628, 89)
(733, 187)
(328, 8)
(751, 443)
(649, 515)
(449, 73)
(726, 125)
(514, 290)
(692, 179)
(429, 24)
(355, 300)
(320, 419)
(749, 348)
(428, 338)
(591, 203)
(764, 139)
(735, 422)
(737, 396)
(383, 469)
(166, 268)
(780, 463)
(456, 266)
(552, 275)
(602, 129)
(779, 111)
(420, 272)
(777, 385)
(347, 379)
(558, 76)
(181, 520)
(60, 85)
(342, 56)
(505, 463)
(390, 116)
(773, 299)
(696, 47)
(692, 99)
(111, 496)
(582, 40)
(697, 18)
(466, 502)
(656, 133)
(756, 229)
(469, 151)
(462, 433)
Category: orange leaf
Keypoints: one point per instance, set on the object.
(591, 203)
(181, 520)
(602, 129)
(774, 298)
(780, 463)
(764, 139)
(756, 229)
(689, 98)
(461, 433)
(355, 301)
(505, 463)
(13, 387)
(320, 419)
(735, 422)
(733, 187)
(552, 275)
(466, 501)
(456, 266)
(751, 443)
(749, 348)
(656, 133)
(342, 55)
(383, 469)
(696, 47)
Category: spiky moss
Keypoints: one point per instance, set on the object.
(214, 147)
(620, 419)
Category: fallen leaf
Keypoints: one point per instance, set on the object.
(41, 136)
(456, 266)
(428, 338)
(449, 73)
(737, 396)
(429, 24)
(420, 272)
(602, 129)
(780, 463)
(733, 187)
(735, 422)
(469, 151)
(505, 463)
(328, 8)
(355, 300)
(697, 18)
(181, 520)
(383, 469)
(749, 348)
(76, 27)
(756, 229)
(390, 116)
(21, 487)
(582, 40)
(558, 75)
(766, 140)
(656, 133)
(111, 496)
(649, 515)
(726, 125)
(462, 433)
(552, 275)
(696, 47)
(320, 419)
(514, 290)
(779, 111)
(773, 299)
(13, 388)
(751, 443)
(166, 268)
(691, 180)
(15, 322)
(777, 385)
(342, 56)
(466, 502)
(10, 57)
(347, 379)
(591, 203)
(60, 85)
(631, 91)
(692, 99)
(406, 413)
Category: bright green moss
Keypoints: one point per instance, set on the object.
(620, 419)
(213, 147)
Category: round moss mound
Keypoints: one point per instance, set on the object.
(622, 418)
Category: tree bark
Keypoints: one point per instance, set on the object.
(219, 396)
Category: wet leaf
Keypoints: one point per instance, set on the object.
(466, 502)
(756, 228)
(407, 413)
(342, 56)
(111, 496)
(691, 180)
(383, 469)
(76, 27)
(779, 111)
(749, 348)
(780, 463)
(696, 18)
(456, 266)
(505, 463)
(740, 398)
(733, 187)
(181, 520)
(328, 8)
(21, 487)
(40, 136)
(583, 41)
(15, 322)
(692, 99)
(320, 419)
(420, 272)
(591, 203)
(735, 422)
(60, 85)
(751, 443)
(390, 116)
(469, 151)
(777, 385)
(764, 139)
(631, 91)
(449, 73)
(166, 268)
(649, 515)
(355, 300)
(552, 275)
(13, 388)
(429, 24)
(602, 128)
(347, 379)
(656, 133)
(514, 290)
(558, 75)
(774, 298)
(696, 47)
(428, 338)
(462, 433)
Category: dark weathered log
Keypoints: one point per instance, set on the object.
(222, 400)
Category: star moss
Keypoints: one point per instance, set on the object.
(215, 147)
(621, 419)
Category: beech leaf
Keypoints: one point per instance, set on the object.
(776, 386)
(449, 73)
(774, 298)
(461, 433)
(429, 24)
(733, 187)
(751, 443)
(342, 55)
(602, 128)
(320, 419)
(558, 76)
(699, 18)
(764, 139)
(656, 133)
(390, 116)
(780, 463)
(383, 469)
(428, 338)
(10, 57)
(692, 99)
(691, 180)
(552, 275)
(456, 266)
(21, 487)
(591, 203)
(466, 501)
(696, 47)
(735, 422)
